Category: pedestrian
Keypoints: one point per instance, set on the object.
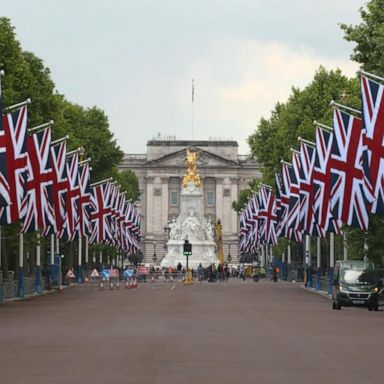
(200, 273)
(179, 269)
(275, 275)
(242, 272)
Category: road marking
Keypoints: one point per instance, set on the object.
(173, 287)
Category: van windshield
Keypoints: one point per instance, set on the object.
(353, 276)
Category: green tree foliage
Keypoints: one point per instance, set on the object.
(369, 52)
(244, 195)
(27, 77)
(369, 37)
(274, 137)
(129, 183)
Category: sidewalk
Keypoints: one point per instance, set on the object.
(315, 291)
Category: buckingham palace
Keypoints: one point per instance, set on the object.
(223, 173)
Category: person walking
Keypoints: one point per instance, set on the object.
(200, 273)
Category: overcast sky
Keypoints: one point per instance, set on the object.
(136, 59)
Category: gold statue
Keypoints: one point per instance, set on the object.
(191, 176)
(219, 241)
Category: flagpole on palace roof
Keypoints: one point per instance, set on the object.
(193, 102)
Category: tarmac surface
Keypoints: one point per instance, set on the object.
(236, 332)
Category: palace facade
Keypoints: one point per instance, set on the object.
(223, 173)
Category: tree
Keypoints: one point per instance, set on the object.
(129, 183)
(244, 195)
(27, 77)
(369, 37)
(369, 52)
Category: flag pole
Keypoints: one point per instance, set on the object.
(58, 141)
(38, 265)
(361, 72)
(349, 109)
(310, 143)
(52, 252)
(331, 261)
(17, 106)
(79, 267)
(318, 249)
(41, 127)
(193, 103)
(20, 286)
(327, 127)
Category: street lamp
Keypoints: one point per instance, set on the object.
(229, 258)
(154, 258)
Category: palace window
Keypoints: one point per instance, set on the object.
(210, 198)
(173, 198)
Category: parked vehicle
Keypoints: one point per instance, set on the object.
(355, 284)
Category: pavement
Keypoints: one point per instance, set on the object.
(236, 332)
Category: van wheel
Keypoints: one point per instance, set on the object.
(376, 307)
(336, 305)
(370, 308)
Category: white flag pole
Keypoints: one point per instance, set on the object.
(79, 267)
(38, 288)
(20, 286)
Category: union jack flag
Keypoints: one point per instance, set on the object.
(373, 124)
(15, 140)
(322, 182)
(37, 209)
(59, 186)
(350, 189)
(133, 242)
(70, 227)
(285, 230)
(294, 193)
(101, 214)
(267, 216)
(4, 188)
(84, 201)
(307, 220)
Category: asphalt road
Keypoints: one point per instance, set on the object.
(206, 333)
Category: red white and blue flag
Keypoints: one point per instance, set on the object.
(307, 220)
(15, 141)
(5, 199)
(322, 182)
(59, 187)
(267, 216)
(284, 229)
(373, 125)
(37, 209)
(351, 192)
(84, 202)
(101, 214)
(70, 227)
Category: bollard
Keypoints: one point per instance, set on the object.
(111, 286)
(126, 284)
(101, 284)
(118, 284)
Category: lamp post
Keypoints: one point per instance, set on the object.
(154, 257)
(229, 257)
(167, 230)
